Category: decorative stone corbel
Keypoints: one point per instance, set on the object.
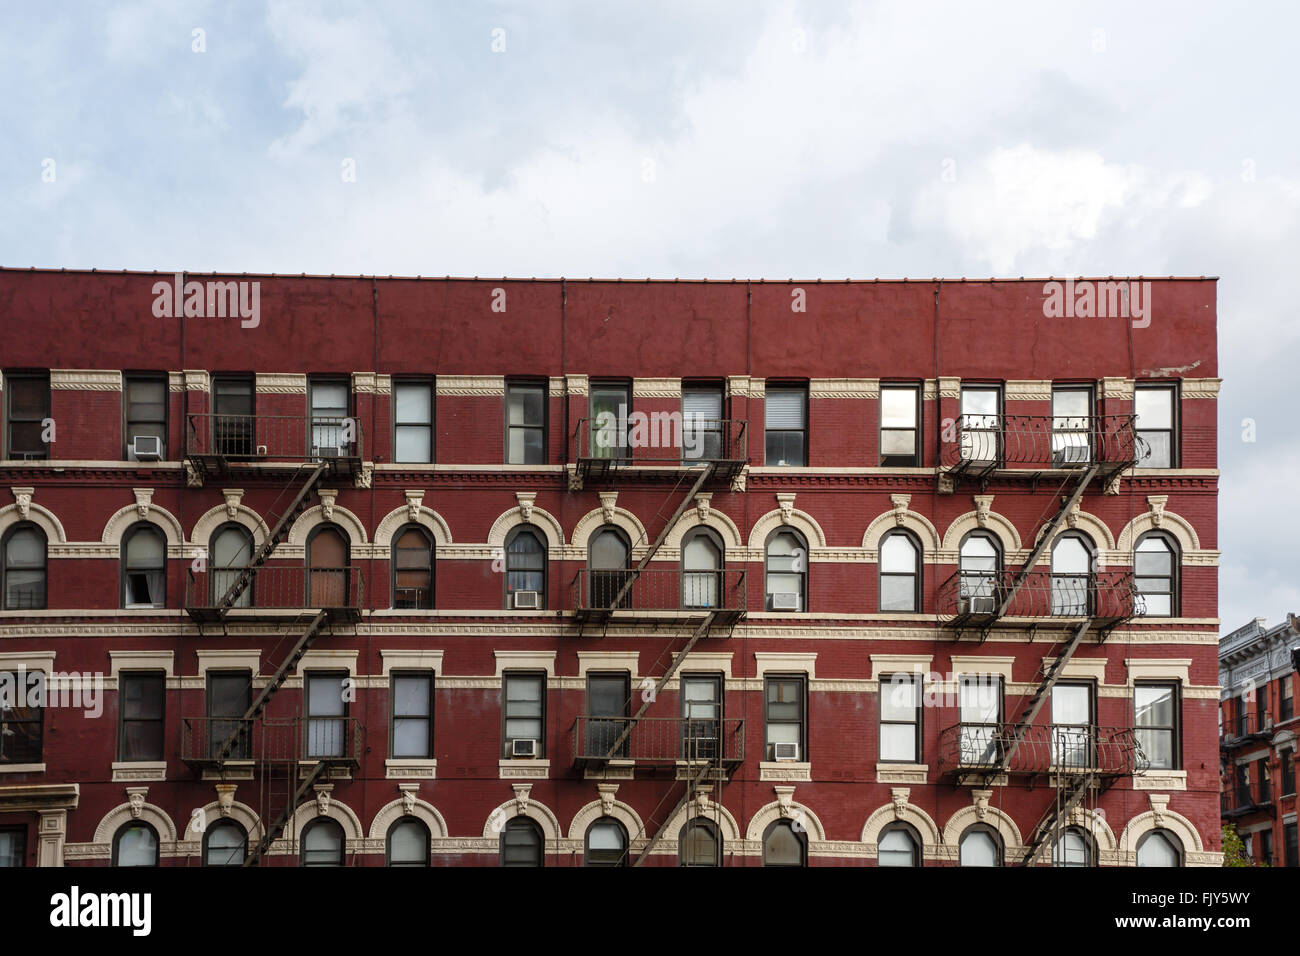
(1112, 485)
(364, 477)
(1072, 516)
(522, 792)
(135, 796)
(1157, 503)
(526, 500)
(575, 477)
(193, 477)
(982, 505)
(233, 497)
(608, 499)
(946, 485)
(408, 793)
(1159, 807)
(143, 501)
(739, 481)
(323, 791)
(414, 502)
(702, 501)
(900, 503)
(607, 792)
(981, 800)
(785, 801)
(900, 795)
(702, 802)
(225, 798)
(327, 498)
(786, 503)
(23, 498)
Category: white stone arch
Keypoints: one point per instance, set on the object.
(148, 813)
(724, 526)
(336, 811)
(1092, 526)
(539, 813)
(993, 817)
(767, 815)
(241, 813)
(214, 518)
(157, 515)
(1177, 526)
(715, 813)
(422, 810)
(1095, 824)
(1175, 823)
(801, 521)
(314, 516)
(43, 518)
(594, 520)
(593, 811)
(998, 525)
(908, 813)
(399, 518)
(543, 521)
(918, 524)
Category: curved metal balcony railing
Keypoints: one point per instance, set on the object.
(984, 443)
(660, 439)
(658, 739)
(655, 591)
(276, 588)
(973, 597)
(1104, 751)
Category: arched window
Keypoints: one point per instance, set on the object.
(412, 566)
(22, 567)
(322, 843)
(786, 571)
(522, 843)
(525, 568)
(606, 843)
(224, 844)
(1073, 564)
(135, 844)
(144, 566)
(408, 843)
(699, 844)
(1155, 574)
(702, 560)
(327, 567)
(784, 846)
(980, 846)
(231, 551)
(898, 846)
(1074, 848)
(608, 555)
(900, 572)
(1159, 848)
(980, 560)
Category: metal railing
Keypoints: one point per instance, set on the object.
(986, 442)
(1106, 751)
(272, 437)
(1247, 725)
(1102, 595)
(659, 590)
(271, 739)
(665, 438)
(659, 739)
(276, 587)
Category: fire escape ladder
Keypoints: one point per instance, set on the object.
(275, 829)
(691, 784)
(1067, 798)
(1052, 675)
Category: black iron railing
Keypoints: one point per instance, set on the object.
(210, 740)
(1106, 751)
(1101, 595)
(661, 438)
(272, 437)
(277, 587)
(658, 739)
(695, 592)
(987, 442)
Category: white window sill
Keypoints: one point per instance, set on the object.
(22, 768)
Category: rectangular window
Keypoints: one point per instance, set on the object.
(21, 720)
(607, 703)
(524, 714)
(141, 697)
(610, 406)
(1071, 425)
(1265, 778)
(412, 703)
(1266, 847)
(981, 424)
(1289, 835)
(786, 424)
(979, 702)
(785, 717)
(13, 847)
(1155, 713)
(1072, 722)
(703, 435)
(144, 401)
(526, 423)
(413, 421)
(230, 694)
(701, 699)
(1154, 406)
(900, 718)
(1288, 772)
(900, 434)
(1286, 705)
(233, 425)
(27, 405)
(330, 401)
(326, 715)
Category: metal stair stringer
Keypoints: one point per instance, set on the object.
(691, 784)
(1040, 695)
(1060, 809)
(273, 832)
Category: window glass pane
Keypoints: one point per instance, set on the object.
(979, 401)
(1070, 556)
(897, 742)
(1153, 705)
(1070, 407)
(898, 592)
(414, 403)
(898, 699)
(1154, 407)
(785, 408)
(228, 695)
(411, 696)
(408, 844)
(699, 845)
(232, 548)
(322, 845)
(606, 697)
(142, 697)
(233, 397)
(608, 551)
(226, 843)
(1153, 557)
(1071, 850)
(979, 700)
(144, 549)
(325, 697)
(1158, 745)
(414, 444)
(137, 846)
(25, 549)
(701, 554)
(1160, 449)
(782, 847)
(329, 399)
(898, 553)
(27, 397)
(1156, 850)
(896, 849)
(1071, 704)
(979, 849)
(898, 407)
(410, 737)
(898, 443)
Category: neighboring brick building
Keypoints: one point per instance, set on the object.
(448, 631)
(1257, 738)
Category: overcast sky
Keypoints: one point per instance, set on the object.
(694, 139)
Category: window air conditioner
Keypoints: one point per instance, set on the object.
(978, 605)
(527, 599)
(785, 601)
(325, 451)
(521, 747)
(147, 448)
(785, 751)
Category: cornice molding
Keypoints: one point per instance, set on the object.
(86, 379)
(281, 383)
(472, 386)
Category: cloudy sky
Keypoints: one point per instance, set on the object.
(694, 138)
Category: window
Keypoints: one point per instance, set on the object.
(234, 431)
(898, 846)
(23, 572)
(1073, 563)
(1155, 710)
(1243, 716)
(144, 567)
(525, 567)
(699, 844)
(1072, 725)
(408, 843)
(413, 568)
(13, 847)
(413, 421)
(231, 552)
(980, 846)
(1265, 782)
(330, 399)
(979, 562)
(701, 699)
(1071, 425)
(784, 716)
(140, 708)
(27, 400)
(606, 843)
(1155, 563)
(327, 567)
(608, 557)
(702, 560)
(1286, 705)
(521, 843)
(322, 843)
(900, 718)
(1288, 772)
(326, 715)
(525, 423)
(135, 844)
(523, 712)
(412, 703)
(702, 425)
(900, 572)
(610, 404)
(1292, 845)
(979, 700)
(21, 722)
(786, 571)
(1266, 847)
(786, 420)
(981, 424)
(607, 703)
(1074, 848)
(225, 844)
(1159, 848)
(1154, 407)
(784, 846)
(145, 411)
(230, 695)
(900, 444)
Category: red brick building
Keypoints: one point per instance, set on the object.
(584, 572)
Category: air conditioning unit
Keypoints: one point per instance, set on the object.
(147, 448)
(785, 601)
(785, 751)
(978, 605)
(527, 599)
(325, 451)
(523, 747)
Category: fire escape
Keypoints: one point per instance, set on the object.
(285, 753)
(688, 605)
(1079, 761)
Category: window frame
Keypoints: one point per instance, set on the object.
(216, 593)
(999, 565)
(916, 458)
(909, 677)
(999, 427)
(1291, 843)
(325, 823)
(622, 450)
(521, 822)
(902, 826)
(625, 692)
(1170, 837)
(142, 527)
(431, 678)
(800, 838)
(308, 716)
(115, 856)
(999, 847)
(226, 823)
(976, 679)
(1089, 847)
(123, 678)
(35, 679)
(1175, 731)
(431, 549)
(586, 842)
(508, 676)
(719, 572)
(801, 542)
(540, 538)
(789, 386)
(626, 571)
(243, 441)
(917, 574)
(1286, 759)
(245, 676)
(423, 381)
(349, 407)
(5, 567)
(544, 386)
(1089, 577)
(1090, 688)
(1174, 430)
(145, 378)
(388, 843)
(801, 679)
(1089, 389)
(7, 436)
(712, 387)
(703, 823)
(20, 831)
(1175, 568)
